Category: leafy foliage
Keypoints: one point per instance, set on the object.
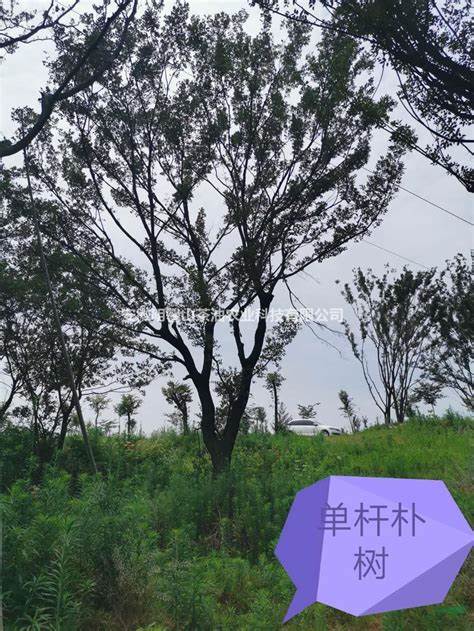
(349, 411)
(428, 45)
(31, 359)
(99, 38)
(307, 411)
(156, 542)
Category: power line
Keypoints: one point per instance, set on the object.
(445, 210)
(400, 256)
(380, 247)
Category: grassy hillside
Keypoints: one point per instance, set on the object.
(157, 544)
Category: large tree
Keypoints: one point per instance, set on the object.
(269, 140)
(394, 331)
(428, 44)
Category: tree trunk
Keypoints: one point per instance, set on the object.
(185, 422)
(65, 425)
(219, 448)
(62, 433)
(399, 409)
(4, 407)
(276, 424)
(221, 457)
(388, 408)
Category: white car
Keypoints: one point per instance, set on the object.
(311, 428)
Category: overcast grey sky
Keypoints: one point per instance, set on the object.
(416, 230)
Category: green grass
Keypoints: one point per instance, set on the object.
(156, 543)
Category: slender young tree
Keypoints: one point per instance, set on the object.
(273, 383)
(270, 140)
(179, 395)
(284, 417)
(258, 419)
(128, 407)
(348, 409)
(395, 325)
(98, 403)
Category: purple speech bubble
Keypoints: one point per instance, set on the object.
(368, 545)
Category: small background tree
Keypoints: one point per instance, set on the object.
(258, 419)
(273, 383)
(179, 395)
(348, 409)
(307, 411)
(395, 331)
(98, 403)
(127, 407)
(284, 417)
(450, 365)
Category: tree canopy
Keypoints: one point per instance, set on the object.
(428, 44)
(275, 135)
(93, 41)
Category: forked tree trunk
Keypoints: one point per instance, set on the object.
(400, 407)
(220, 447)
(219, 452)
